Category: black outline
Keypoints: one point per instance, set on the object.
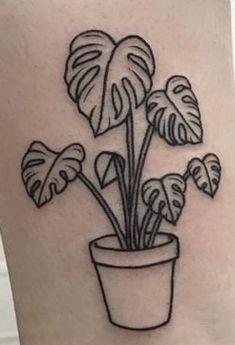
(138, 233)
(116, 45)
(35, 162)
(153, 108)
(198, 168)
(157, 186)
(113, 156)
(172, 278)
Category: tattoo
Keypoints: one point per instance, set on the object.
(108, 81)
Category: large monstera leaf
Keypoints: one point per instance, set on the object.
(46, 172)
(206, 173)
(175, 113)
(165, 196)
(106, 79)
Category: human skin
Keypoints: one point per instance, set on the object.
(55, 289)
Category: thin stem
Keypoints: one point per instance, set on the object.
(109, 213)
(138, 174)
(154, 231)
(186, 175)
(130, 152)
(124, 196)
(136, 232)
(144, 226)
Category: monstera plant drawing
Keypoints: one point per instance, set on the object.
(109, 81)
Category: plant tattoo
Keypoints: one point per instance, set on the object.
(108, 81)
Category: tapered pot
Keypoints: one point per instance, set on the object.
(137, 286)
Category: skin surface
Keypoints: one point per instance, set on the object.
(55, 289)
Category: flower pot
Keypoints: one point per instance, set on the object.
(137, 286)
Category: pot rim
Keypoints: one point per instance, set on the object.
(111, 256)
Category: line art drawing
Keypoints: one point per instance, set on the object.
(135, 264)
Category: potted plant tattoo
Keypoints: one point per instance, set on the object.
(135, 263)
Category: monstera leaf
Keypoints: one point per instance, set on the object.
(45, 172)
(105, 167)
(175, 112)
(106, 79)
(206, 173)
(165, 196)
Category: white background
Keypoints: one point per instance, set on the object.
(8, 329)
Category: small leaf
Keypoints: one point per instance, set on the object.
(175, 113)
(106, 78)
(46, 172)
(165, 196)
(105, 167)
(206, 173)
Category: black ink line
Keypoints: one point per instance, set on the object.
(106, 209)
(99, 41)
(136, 187)
(117, 249)
(145, 222)
(154, 230)
(100, 265)
(102, 289)
(130, 153)
(136, 267)
(93, 83)
(165, 196)
(186, 175)
(46, 172)
(124, 196)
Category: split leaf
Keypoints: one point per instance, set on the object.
(175, 113)
(106, 79)
(46, 172)
(206, 173)
(165, 196)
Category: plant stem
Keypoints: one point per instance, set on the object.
(136, 186)
(130, 152)
(124, 196)
(186, 175)
(154, 231)
(103, 203)
(137, 232)
(145, 222)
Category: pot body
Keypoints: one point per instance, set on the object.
(137, 286)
